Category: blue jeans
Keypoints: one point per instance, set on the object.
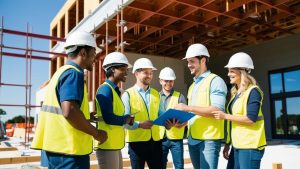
(247, 158)
(61, 161)
(176, 148)
(44, 160)
(205, 154)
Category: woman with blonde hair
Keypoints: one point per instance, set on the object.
(245, 122)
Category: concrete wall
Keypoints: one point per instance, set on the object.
(160, 62)
(271, 55)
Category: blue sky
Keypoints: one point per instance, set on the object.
(17, 13)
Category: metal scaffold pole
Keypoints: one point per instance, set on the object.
(1, 45)
(28, 56)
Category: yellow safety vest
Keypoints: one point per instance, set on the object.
(204, 128)
(115, 134)
(247, 136)
(137, 105)
(174, 133)
(54, 133)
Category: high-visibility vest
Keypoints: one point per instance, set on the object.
(247, 136)
(204, 128)
(174, 133)
(137, 105)
(115, 134)
(54, 133)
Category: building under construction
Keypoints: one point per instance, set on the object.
(162, 31)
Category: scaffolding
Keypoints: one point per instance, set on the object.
(28, 55)
(92, 77)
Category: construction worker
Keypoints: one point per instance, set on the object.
(206, 94)
(63, 130)
(174, 132)
(110, 112)
(143, 101)
(246, 123)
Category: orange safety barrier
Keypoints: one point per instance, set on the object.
(9, 125)
(20, 125)
(10, 132)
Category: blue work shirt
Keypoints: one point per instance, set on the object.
(253, 104)
(105, 98)
(146, 97)
(70, 86)
(218, 92)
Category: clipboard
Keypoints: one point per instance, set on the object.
(182, 116)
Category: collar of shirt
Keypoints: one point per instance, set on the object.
(202, 76)
(163, 94)
(141, 90)
(74, 64)
(114, 86)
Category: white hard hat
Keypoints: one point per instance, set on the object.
(80, 38)
(142, 63)
(115, 58)
(196, 49)
(240, 60)
(167, 74)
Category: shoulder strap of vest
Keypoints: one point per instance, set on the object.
(210, 77)
(154, 91)
(190, 90)
(260, 117)
(131, 89)
(175, 93)
(65, 67)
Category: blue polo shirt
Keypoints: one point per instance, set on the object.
(105, 98)
(70, 85)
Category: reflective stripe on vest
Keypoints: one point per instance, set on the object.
(247, 136)
(174, 133)
(51, 109)
(137, 105)
(54, 133)
(204, 128)
(115, 134)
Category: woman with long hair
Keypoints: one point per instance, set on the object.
(245, 122)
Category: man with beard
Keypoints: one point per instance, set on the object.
(143, 102)
(173, 133)
(64, 131)
(205, 95)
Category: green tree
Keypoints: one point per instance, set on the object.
(2, 112)
(19, 119)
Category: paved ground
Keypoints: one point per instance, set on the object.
(286, 152)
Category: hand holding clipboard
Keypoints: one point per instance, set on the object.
(170, 114)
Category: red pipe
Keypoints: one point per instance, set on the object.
(1, 43)
(122, 29)
(34, 50)
(26, 88)
(10, 84)
(24, 56)
(34, 35)
(21, 105)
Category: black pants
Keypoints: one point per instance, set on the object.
(148, 151)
